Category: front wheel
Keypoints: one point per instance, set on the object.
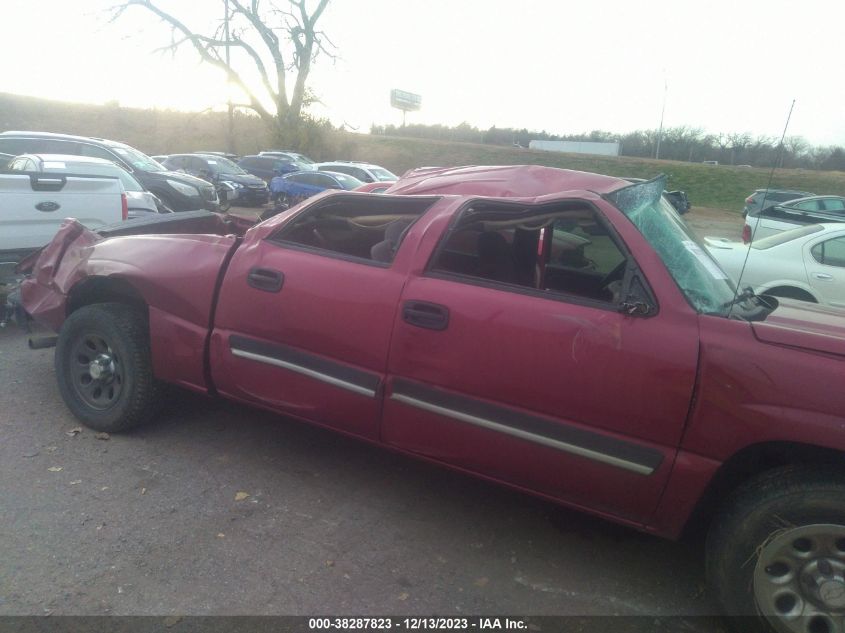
(777, 549)
(104, 368)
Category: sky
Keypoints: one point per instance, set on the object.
(563, 67)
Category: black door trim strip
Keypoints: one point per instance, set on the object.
(636, 458)
(349, 378)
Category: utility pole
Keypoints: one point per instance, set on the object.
(230, 136)
(662, 112)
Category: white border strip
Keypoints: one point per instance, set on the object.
(331, 380)
(526, 435)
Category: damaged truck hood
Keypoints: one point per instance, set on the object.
(804, 325)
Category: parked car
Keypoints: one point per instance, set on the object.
(559, 332)
(788, 215)
(227, 155)
(179, 192)
(302, 162)
(764, 198)
(267, 167)
(293, 188)
(365, 172)
(34, 205)
(140, 202)
(374, 187)
(805, 263)
(242, 187)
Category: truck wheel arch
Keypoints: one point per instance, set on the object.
(790, 292)
(746, 464)
(103, 290)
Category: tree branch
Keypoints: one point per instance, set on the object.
(271, 41)
(306, 51)
(205, 52)
(277, 27)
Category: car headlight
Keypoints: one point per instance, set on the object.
(184, 189)
(232, 184)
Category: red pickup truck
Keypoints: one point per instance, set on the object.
(559, 332)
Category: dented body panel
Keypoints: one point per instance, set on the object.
(174, 275)
(629, 417)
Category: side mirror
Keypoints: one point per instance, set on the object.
(637, 301)
(635, 308)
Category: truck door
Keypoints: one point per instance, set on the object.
(513, 357)
(306, 310)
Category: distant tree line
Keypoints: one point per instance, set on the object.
(678, 143)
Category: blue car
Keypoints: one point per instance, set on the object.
(292, 189)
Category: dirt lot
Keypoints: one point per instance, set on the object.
(220, 509)
(715, 222)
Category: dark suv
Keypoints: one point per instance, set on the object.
(178, 191)
(267, 167)
(246, 188)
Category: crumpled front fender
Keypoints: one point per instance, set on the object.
(43, 294)
(176, 276)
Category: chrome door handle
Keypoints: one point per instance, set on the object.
(823, 276)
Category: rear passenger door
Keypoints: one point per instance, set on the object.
(515, 356)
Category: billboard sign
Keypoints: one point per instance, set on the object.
(405, 101)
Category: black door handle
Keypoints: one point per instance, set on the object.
(431, 316)
(265, 279)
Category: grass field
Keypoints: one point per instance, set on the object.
(720, 186)
(167, 132)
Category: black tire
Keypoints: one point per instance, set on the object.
(758, 515)
(123, 394)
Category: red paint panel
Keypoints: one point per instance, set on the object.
(801, 324)
(585, 364)
(178, 348)
(290, 392)
(545, 470)
(690, 477)
(338, 310)
(174, 273)
(752, 392)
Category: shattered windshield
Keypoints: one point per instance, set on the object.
(705, 285)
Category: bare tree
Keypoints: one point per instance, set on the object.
(278, 38)
(738, 142)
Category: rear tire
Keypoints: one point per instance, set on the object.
(777, 548)
(104, 368)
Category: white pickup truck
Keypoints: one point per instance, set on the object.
(33, 206)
